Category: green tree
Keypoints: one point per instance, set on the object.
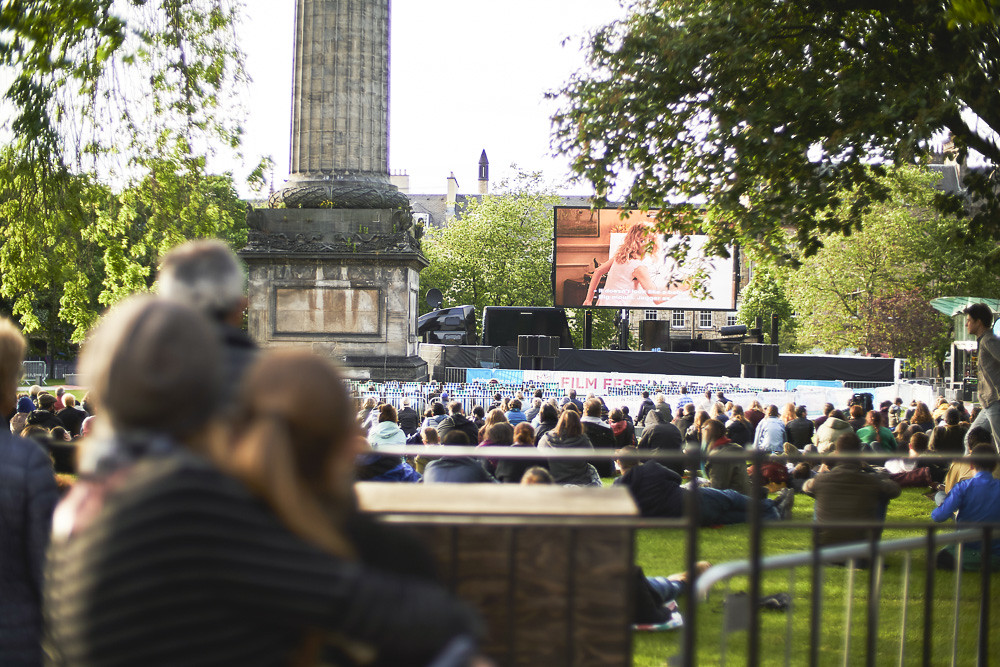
(138, 94)
(770, 110)
(903, 244)
(763, 297)
(903, 324)
(498, 250)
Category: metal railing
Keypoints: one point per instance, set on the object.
(818, 559)
(871, 556)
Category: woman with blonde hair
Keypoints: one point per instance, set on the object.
(624, 269)
(495, 416)
(249, 567)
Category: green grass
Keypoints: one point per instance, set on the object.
(662, 552)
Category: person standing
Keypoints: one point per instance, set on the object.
(26, 504)
(979, 323)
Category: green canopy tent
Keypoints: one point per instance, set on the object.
(954, 305)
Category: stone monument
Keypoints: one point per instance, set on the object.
(335, 261)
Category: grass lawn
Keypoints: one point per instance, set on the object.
(661, 552)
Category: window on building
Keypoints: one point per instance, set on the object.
(650, 315)
(704, 319)
(677, 319)
(731, 320)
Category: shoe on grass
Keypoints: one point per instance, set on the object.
(784, 503)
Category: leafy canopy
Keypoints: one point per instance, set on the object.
(905, 254)
(119, 106)
(768, 110)
(498, 250)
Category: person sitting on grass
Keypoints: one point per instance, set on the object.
(959, 471)
(910, 472)
(456, 469)
(950, 437)
(428, 436)
(724, 474)
(457, 421)
(536, 475)
(568, 435)
(600, 435)
(875, 437)
(975, 500)
(770, 432)
(511, 471)
(623, 430)
(849, 491)
(514, 414)
(657, 492)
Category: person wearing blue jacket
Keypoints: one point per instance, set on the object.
(975, 500)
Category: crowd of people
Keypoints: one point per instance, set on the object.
(210, 485)
(846, 486)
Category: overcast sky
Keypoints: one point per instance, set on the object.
(466, 75)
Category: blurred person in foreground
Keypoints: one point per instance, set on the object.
(28, 496)
(249, 568)
(207, 276)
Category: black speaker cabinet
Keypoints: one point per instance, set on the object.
(538, 346)
(754, 354)
(654, 333)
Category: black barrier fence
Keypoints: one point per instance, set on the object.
(742, 613)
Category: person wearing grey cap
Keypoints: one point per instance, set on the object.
(979, 323)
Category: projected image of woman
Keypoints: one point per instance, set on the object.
(629, 282)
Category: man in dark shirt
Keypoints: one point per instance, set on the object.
(663, 438)
(800, 430)
(45, 415)
(657, 492)
(849, 491)
(645, 406)
(72, 417)
(600, 434)
(457, 421)
(409, 420)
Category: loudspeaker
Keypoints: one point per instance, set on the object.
(538, 346)
(503, 325)
(654, 333)
(753, 354)
(756, 371)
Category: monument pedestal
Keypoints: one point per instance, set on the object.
(343, 282)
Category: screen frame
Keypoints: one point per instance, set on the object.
(733, 277)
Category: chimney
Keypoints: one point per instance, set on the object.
(452, 195)
(402, 181)
(484, 174)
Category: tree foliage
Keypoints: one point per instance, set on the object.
(904, 247)
(763, 297)
(770, 110)
(119, 108)
(903, 324)
(497, 251)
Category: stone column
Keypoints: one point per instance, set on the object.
(338, 269)
(340, 108)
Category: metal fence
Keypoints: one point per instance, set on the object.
(35, 371)
(930, 637)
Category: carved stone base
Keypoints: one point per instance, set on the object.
(344, 283)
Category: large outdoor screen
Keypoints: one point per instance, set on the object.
(604, 260)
